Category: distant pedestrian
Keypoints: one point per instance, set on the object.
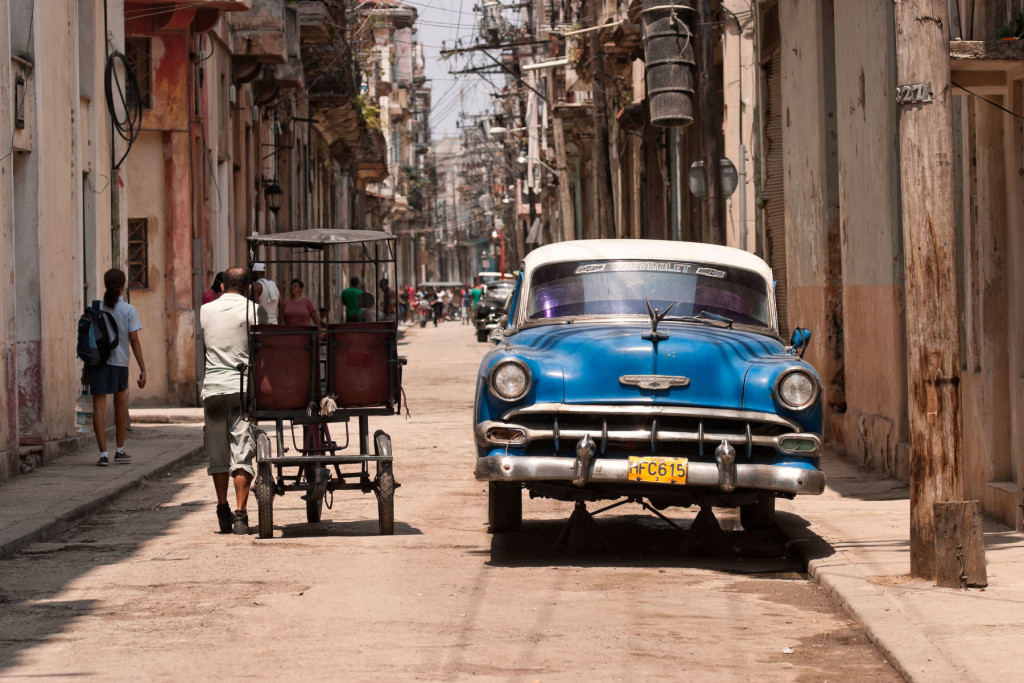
(464, 307)
(403, 303)
(387, 301)
(350, 299)
(298, 309)
(215, 289)
(267, 291)
(112, 376)
(230, 438)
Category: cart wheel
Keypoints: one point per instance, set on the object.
(384, 485)
(265, 497)
(504, 506)
(313, 510)
(760, 515)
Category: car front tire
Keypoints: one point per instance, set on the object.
(504, 506)
(758, 516)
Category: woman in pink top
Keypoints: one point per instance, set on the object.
(298, 309)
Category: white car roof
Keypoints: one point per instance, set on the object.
(645, 250)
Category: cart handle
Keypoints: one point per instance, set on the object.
(242, 368)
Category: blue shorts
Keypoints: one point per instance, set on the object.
(108, 379)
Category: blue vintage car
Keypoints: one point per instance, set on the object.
(650, 370)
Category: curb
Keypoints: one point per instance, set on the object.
(899, 640)
(75, 516)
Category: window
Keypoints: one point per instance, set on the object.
(137, 50)
(138, 253)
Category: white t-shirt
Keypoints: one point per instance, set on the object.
(127, 319)
(224, 326)
(269, 299)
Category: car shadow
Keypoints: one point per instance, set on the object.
(639, 539)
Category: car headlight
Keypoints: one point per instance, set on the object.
(509, 379)
(797, 389)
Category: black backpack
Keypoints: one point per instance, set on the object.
(95, 341)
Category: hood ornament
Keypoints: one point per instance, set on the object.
(656, 317)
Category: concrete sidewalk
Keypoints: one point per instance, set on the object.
(854, 539)
(56, 497)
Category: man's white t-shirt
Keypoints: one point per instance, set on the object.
(224, 326)
(269, 299)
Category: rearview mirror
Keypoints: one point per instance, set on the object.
(799, 340)
(496, 335)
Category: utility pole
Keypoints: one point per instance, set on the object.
(564, 180)
(924, 97)
(602, 165)
(710, 121)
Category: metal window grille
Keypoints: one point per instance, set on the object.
(137, 50)
(138, 253)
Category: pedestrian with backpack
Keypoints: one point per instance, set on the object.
(110, 374)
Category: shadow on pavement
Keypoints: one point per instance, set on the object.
(30, 580)
(643, 540)
(340, 528)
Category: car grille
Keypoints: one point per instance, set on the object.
(662, 430)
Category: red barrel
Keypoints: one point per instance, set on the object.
(360, 363)
(284, 361)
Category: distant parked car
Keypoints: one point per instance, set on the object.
(646, 369)
(492, 309)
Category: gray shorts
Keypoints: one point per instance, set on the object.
(230, 438)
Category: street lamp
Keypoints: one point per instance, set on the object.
(273, 192)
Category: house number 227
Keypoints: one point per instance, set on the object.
(912, 93)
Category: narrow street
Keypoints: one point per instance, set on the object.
(149, 590)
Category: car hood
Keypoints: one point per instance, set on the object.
(594, 357)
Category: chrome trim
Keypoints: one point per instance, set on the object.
(655, 382)
(783, 479)
(652, 410)
(509, 361)
(786, 373)
(655, 435)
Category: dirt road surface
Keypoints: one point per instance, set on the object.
(149, 590)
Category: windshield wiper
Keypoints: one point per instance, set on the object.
(706, 317)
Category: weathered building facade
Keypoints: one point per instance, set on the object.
(155, 137)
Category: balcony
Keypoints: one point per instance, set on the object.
(262, 34)
(146, 17)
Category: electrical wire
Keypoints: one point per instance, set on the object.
(985, 99)
(130, 98)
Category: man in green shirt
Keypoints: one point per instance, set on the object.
(350, 299)
(475, 293)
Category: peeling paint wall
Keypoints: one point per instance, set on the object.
(811, 187)
(875, 424)
(9, 459)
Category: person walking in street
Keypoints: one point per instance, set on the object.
(215, 289)
(387, 301)
(230, 439)
(298, 309)
(112, 377)
(350, 299)
(269, 294)
(464, 307)
(403, 303)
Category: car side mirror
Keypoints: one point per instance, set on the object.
(799, 340)
(496, 336)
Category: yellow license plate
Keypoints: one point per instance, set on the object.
(657, 470)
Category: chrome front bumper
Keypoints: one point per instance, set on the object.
(526, 468)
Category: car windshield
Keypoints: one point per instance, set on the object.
(624, 287)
